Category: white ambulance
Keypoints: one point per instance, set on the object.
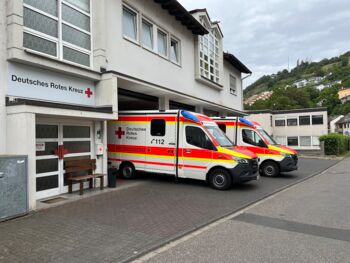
(180, 143)
(273, 158)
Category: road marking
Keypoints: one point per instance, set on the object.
(293, 226)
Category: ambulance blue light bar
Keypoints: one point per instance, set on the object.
(246, 122)
(189, 116)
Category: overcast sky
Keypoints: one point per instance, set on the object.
(264, 33)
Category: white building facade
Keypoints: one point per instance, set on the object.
(299, 128)
(68, 66)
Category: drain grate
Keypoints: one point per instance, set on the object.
(54, 200)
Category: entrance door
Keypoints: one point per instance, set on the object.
(55, 143)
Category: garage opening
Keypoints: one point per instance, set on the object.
(174, 105)
(129, 100)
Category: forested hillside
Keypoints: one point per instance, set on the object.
(309, 84)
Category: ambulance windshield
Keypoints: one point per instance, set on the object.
(218, 135)
(266, 136)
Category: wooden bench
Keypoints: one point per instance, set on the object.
(80, 171)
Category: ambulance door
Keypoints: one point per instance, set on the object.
(161, 144)
(252, 141)
(197, 152)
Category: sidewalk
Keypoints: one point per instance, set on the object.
(309, 222)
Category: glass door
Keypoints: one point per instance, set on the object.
(56, 143)
(47, 161)
(77, 145)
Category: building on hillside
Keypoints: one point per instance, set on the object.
(300, 83)
(343, 125)
(332, 123)
(71, 65)
(298, 128)
(344, 94)
(261, 96)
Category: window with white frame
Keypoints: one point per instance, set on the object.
(65, 35)
(292, 141)
(233, 85)
(305, 140)
(315, 141)
(209, 55)
(174, 51)
(281, 139)
(129, 23)
(147, 34)
(162, 41)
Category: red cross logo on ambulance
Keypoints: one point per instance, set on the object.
(89, 92)
(119, 132)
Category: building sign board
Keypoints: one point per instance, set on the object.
(40, 84)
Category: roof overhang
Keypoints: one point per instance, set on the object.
(181, 14)
(236, 63)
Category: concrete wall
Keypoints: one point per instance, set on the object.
(132, 59)
(264, 119)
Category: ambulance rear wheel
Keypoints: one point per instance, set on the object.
(269, 169)
(220, 179)
(127, 171)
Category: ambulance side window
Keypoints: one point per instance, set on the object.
(197, 137)
(252, 138)
(222, 127)
(157, 127)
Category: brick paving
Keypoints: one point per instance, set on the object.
(119, 225)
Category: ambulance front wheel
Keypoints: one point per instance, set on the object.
(269, 169)
(220, 179)
(127, 171)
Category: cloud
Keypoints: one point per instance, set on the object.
(265, 33)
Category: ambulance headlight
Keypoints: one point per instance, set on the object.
(240, 160)
(286, 155)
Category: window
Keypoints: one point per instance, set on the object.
(197, 137)
(281, 140)
(252, 138)
(292, 122)
(162, 43)
(218, 135)
(280, 122)
(147, 34)
(174, 51)
(317, 119)
(304, 120)
(305, 140)
(41, 29)
(129, 23)
(222, 127)
(233, 85)
(292, 141)
(209, 56)
(157, 127)
(315, 141)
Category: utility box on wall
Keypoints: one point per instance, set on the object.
(13, 186)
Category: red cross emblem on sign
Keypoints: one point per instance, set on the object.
(119, 133)
(88, 92)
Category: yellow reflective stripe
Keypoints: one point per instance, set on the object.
(233, 153)
(171, 157)
(269, 155)
(272, 147)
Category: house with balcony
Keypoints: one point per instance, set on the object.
(71, 65)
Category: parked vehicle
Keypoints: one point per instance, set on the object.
(180, 143)
(273, 158)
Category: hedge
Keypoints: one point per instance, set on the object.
(335, 144)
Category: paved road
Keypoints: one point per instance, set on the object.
(120, 225)
(306, 223)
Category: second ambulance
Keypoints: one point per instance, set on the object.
(180, 143)
(273, 158)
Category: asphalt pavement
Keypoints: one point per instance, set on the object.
(121, 225)
(309, 222)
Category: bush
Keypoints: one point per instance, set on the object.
(335, 144)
